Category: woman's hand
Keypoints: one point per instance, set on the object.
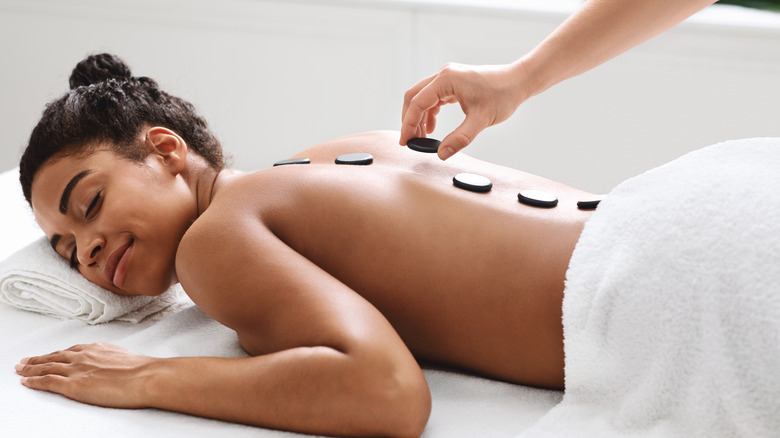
(98, 374)
(488, 95)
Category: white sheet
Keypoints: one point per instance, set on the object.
(463, 406)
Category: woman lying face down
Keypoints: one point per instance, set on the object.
(336, 278)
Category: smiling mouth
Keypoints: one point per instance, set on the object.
(116, 266)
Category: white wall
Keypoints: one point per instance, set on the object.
(277, 76)
(271, 77)
(713, 78)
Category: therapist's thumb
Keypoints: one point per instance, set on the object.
(461, 137)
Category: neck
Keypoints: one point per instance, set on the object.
(203, 182)
(207, 186)
(206, 181)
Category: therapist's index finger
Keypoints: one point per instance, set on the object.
(418, 112)
(413, 91)
(410, 127)
(414, 109)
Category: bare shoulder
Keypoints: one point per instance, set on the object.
(216, 244)
(237, 270)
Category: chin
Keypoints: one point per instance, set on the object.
(149, 291)
(150, 285)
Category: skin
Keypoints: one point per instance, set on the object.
(96, 237)
(336, 279)
(597, 32)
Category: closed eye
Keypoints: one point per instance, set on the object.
(94, 205)
(73, 259)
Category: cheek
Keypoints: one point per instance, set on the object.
(94, 276)
(142, 214)
(171, 207)
(152, 269)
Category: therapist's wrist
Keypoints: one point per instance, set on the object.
(529, 78)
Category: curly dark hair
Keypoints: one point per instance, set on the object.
(106, 105)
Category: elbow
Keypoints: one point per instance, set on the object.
(413, 407)
(403, 404)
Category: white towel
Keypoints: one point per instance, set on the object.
(671, 310)
(37, 279)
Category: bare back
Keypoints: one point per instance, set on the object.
(468, 280)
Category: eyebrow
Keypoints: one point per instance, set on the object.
(65, 199)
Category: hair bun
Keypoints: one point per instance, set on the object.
(98, 68)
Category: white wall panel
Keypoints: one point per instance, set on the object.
(271, 77)
(275, 76)
(695, 85)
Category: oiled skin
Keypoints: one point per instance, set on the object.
(468, 280)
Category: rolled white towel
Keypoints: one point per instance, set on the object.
(37, 279)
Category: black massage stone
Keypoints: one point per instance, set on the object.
(427, 145)
(537, 198)
(589, 204)
(292, 161)
(472, 182)
(359, 159)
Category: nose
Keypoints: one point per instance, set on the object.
(89, 249)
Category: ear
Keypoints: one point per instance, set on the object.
(167, 147)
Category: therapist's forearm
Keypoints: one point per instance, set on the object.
(599, 31)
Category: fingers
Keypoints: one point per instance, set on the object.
(49, 364)
(46, 373)
(412, 92)
(58, 356)
(423, 102)
(430, 124)
(55, 363)
(45, 369)
(463, 135)
(421, 106)
(48, 382)
(100, 374)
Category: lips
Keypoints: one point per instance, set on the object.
(116, 266)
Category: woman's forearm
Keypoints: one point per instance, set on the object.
(368, 389)
(599, 31)
(315, 390)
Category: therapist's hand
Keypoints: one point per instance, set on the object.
(488, 95)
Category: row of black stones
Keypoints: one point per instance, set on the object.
(478, 183)
(465, 181)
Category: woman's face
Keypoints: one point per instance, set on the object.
(118, 222)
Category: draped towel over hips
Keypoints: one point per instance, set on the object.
(671, 310)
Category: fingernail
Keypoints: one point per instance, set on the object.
(24, 360)
(18, 367)
(446, 152)
(23, 380)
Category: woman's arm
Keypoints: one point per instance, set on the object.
(330, 363)
(594, 34)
